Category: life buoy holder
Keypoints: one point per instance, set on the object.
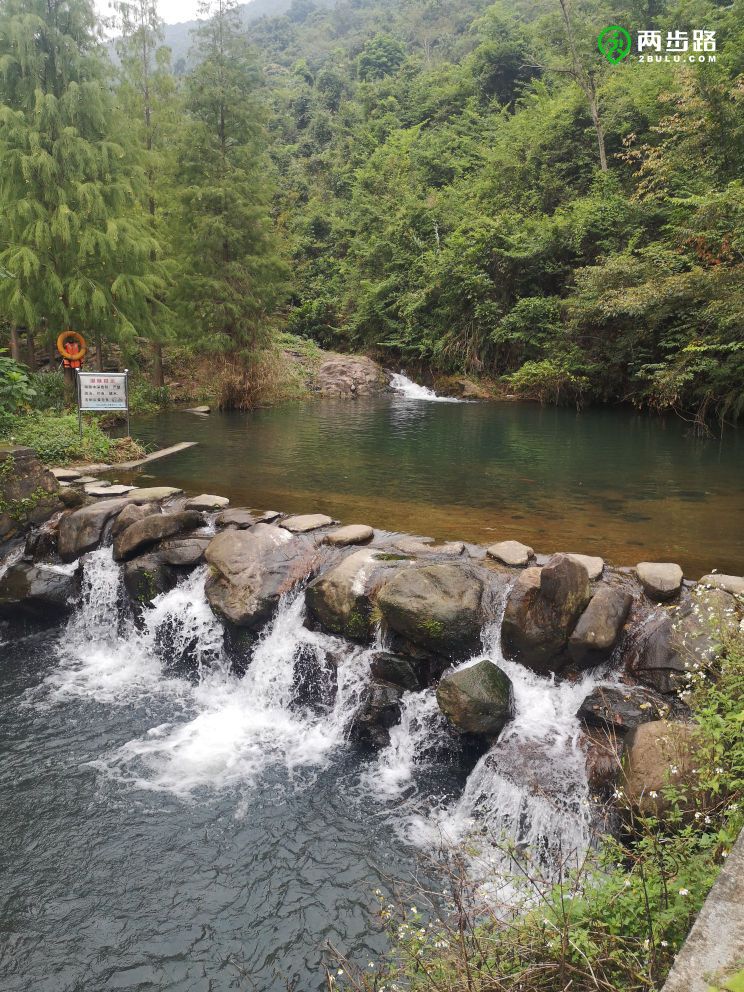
(73, 358)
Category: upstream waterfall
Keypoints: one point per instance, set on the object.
(411, 390)
(226, 731)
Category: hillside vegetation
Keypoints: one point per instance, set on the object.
(451, 185)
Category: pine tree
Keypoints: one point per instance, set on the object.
(147, 95)
(232, 275)
(74, 250)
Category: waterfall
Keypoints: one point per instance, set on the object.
(413, 391)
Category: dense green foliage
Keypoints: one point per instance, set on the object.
(15, 386)
(617, 921)
(444, 197)
(458, 185)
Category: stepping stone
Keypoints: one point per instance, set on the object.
(242, 519)
(101, 490)
(154, 494)
(510, 553)
(593, 565)
(733, 584)
(306, 522)
(660, 580)
(85, 480)
(351, 534)
(65, 474)
(207, 502)
(268, 516)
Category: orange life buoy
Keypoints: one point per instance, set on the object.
(72, 347)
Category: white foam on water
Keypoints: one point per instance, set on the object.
(240, 726)
(413, 391)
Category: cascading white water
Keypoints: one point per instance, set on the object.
(413, 391)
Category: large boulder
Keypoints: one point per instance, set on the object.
(672, 646)
(28, 491)
(252, 569)
(350, 376)
(82, 530)
(622, 708)
(378, 711)
(657, 755)
(147, 577)
(42, 592)
(437, 607)
(599, 626)
(341, 600)
(660, 580)
(184, 552)
(147, 532)
(541, 612)
(477, 699)
(387, 667)
(603, 749)
(132, 514)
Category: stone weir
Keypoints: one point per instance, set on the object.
(648, 628)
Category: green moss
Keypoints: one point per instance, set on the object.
(434, 628)
(357, 625)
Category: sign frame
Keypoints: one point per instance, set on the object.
(119, 376)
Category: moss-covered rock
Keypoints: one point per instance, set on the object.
(477, 699)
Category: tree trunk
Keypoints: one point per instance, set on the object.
(70, 383)
(598, 129)
(99, 353)
(157, 364)
(15, 345)
(31, 350)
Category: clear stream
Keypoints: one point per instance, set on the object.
(167, 825)
(610, 482)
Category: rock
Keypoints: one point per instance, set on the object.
(199, 409)
(621, 708)
(351, 534)
(604, 750)
(206, 502)
(104, 490)
(184, 552)
(42, 592)
(252, 569)
(510, 553)
(269, 516)
(65, 474)
(83, 480)
(28, 491)
(341, 599)
(660, 580)
(315, 678)
(41, 544)
(242, 519)
(391, 668)
(670, 645)
(83, 529)
(541, 611)
(154, 494)
(306, 522)
(657, 754)
(147, 577)
(378, 712)
(599, 626)
(71, 498)
(477, 699)
(593, 565)
(733, 584)
(154, 528)
(131, 514)
(421, 548)
(350, 375)
(437, 607)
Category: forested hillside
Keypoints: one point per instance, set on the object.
(450, 185)
(443, 197)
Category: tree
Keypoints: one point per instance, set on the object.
(73, 250)
(232, 275)
(147, 93)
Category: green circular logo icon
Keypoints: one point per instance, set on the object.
(614, 43)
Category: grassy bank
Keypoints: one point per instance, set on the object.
(613, 924)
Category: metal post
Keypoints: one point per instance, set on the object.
(126, 394)
(80, 412)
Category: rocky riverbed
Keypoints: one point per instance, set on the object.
(428, 607)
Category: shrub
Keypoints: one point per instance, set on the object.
(57, 439)
(15, 388)
(49, 390)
